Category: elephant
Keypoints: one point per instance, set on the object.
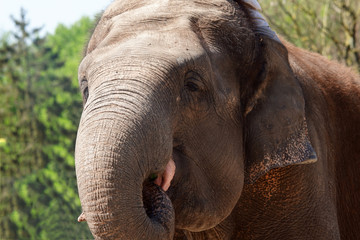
(197, 125)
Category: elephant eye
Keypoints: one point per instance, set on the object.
(193, 82)
(85, 89)
(86, 93)
(191, 86)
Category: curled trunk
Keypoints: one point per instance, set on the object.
(118, 147)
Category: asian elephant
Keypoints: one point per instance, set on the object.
(196, 125)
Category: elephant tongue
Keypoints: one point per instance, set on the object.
(164, 179)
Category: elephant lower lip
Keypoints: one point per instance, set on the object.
(164, 180)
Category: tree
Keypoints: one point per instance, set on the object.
(41, 106)
(329, 27)
(21, 155)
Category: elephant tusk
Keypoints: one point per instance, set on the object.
(81, 218)
(164, 180)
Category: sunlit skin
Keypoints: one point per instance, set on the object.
(197, 126)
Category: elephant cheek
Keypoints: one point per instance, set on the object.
(203, 199)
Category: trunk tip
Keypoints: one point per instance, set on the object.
(81, 218)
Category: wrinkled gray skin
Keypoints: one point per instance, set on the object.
(190, 82)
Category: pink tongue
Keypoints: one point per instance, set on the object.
(164, 180)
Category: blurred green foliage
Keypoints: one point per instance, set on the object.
(40, 107)
(329, 27)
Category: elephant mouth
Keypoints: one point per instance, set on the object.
(157, 204)
(164, 179)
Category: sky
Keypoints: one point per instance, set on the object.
(48, 13)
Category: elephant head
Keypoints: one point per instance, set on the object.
(187, 84)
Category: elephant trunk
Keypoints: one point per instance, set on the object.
(123, 140)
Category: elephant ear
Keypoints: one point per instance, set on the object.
(276, 133)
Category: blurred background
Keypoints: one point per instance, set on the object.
(41, 46)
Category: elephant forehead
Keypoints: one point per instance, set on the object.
(123, 20)
(139, 10)
(165, 41)
(148, 48)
